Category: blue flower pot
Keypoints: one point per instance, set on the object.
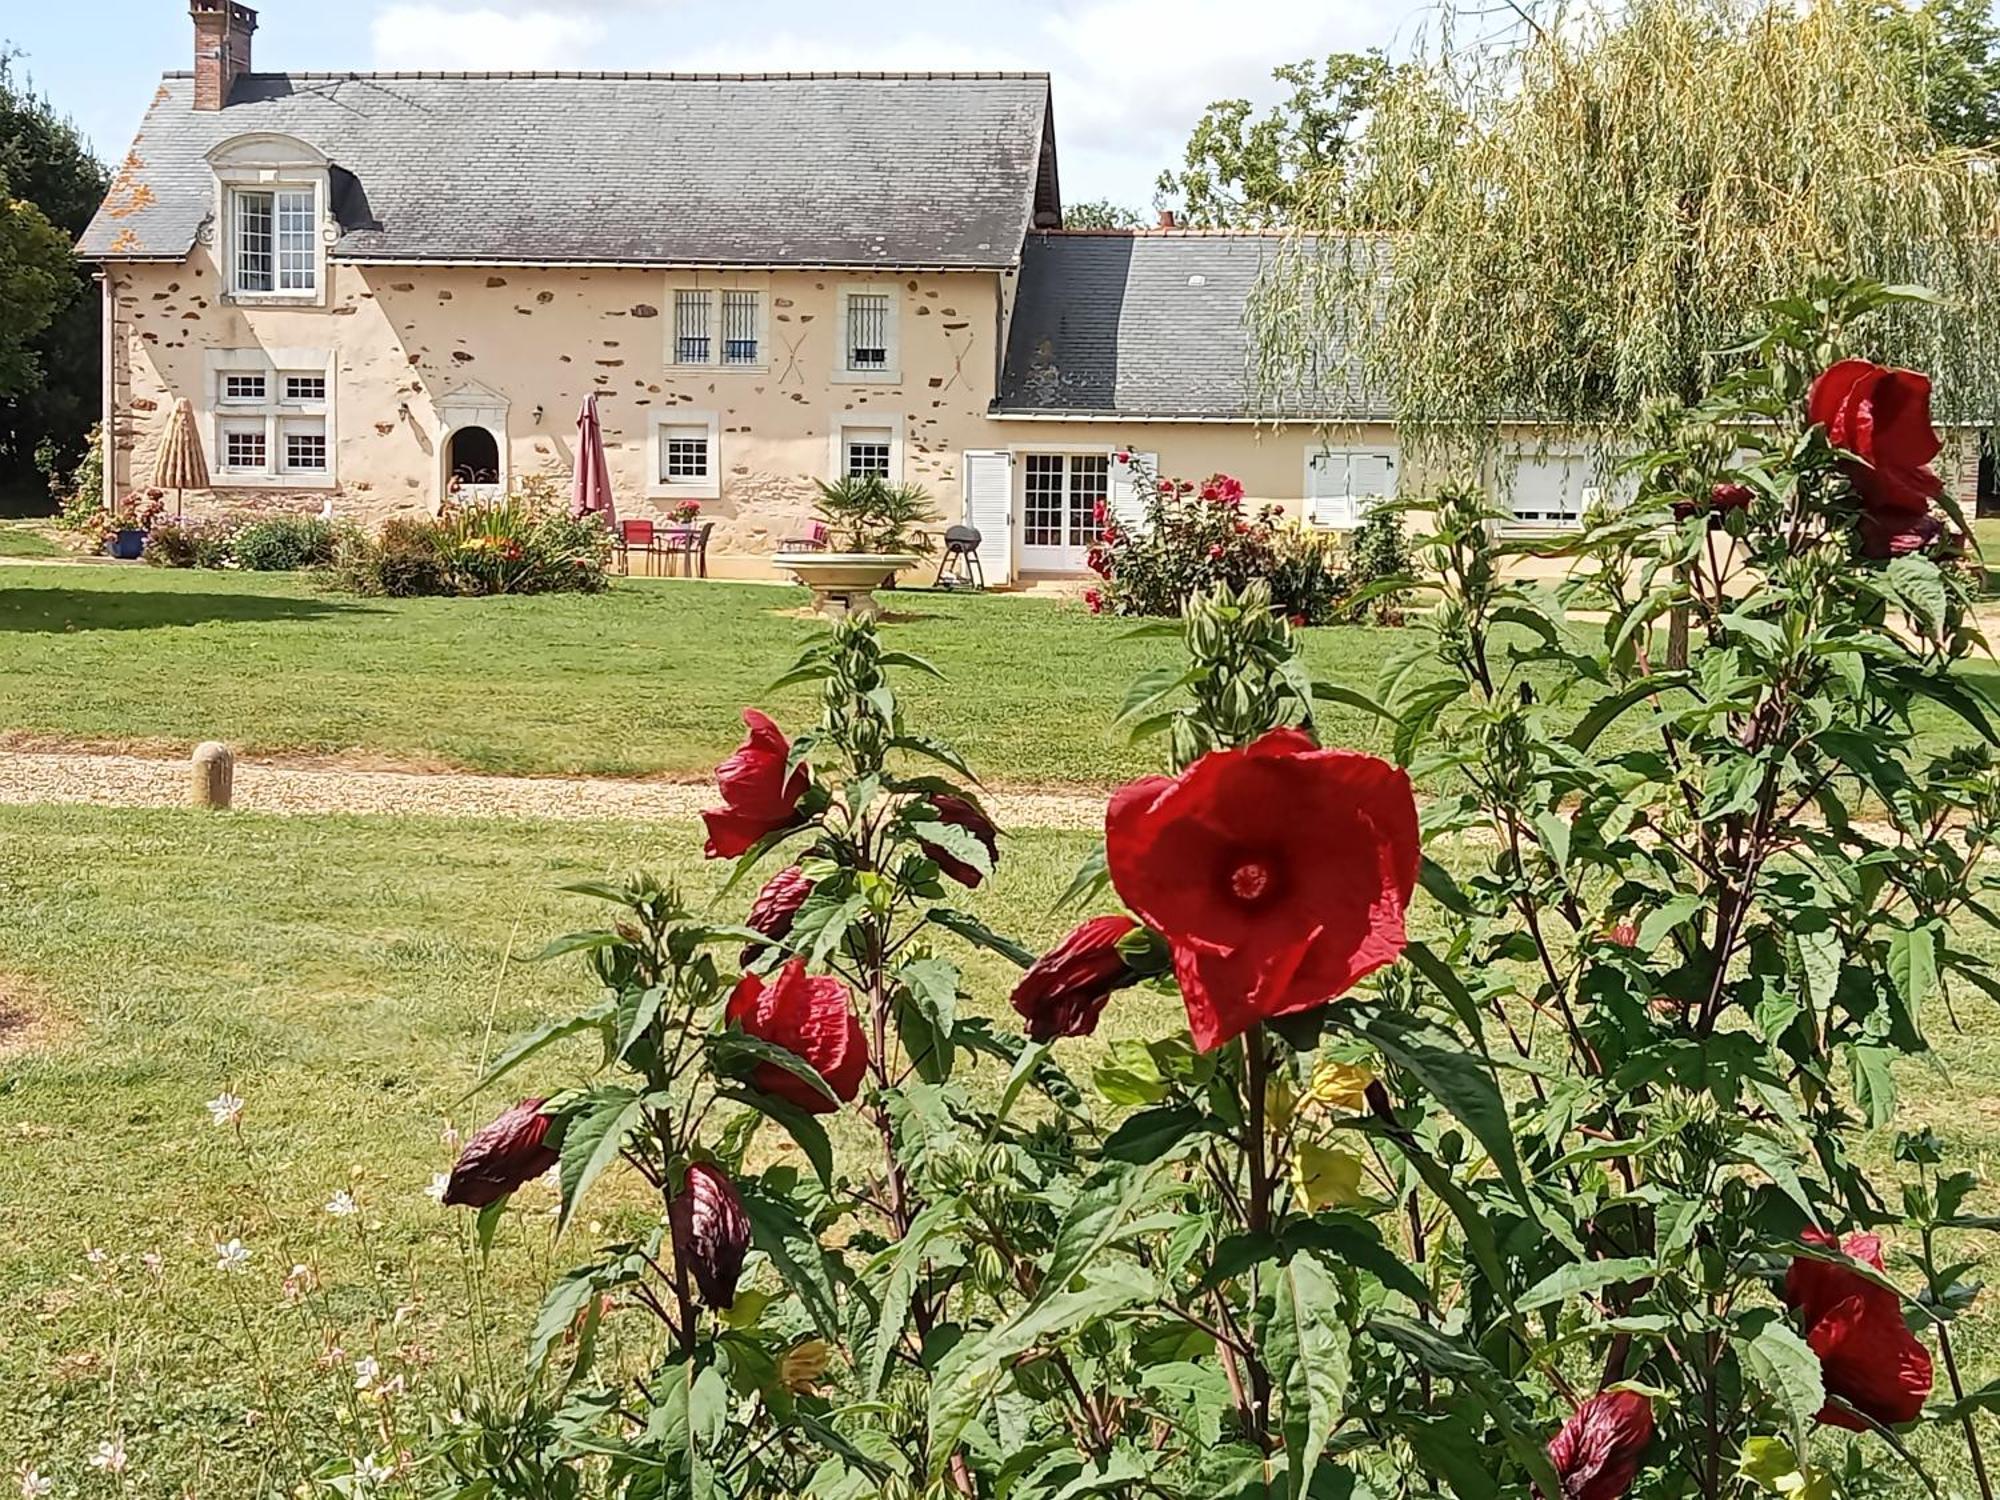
(128, 544)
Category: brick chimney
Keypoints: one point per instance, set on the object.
(1168, 220)
(221, 49)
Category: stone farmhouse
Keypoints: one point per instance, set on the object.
(378, 289)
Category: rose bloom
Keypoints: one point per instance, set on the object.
(1064, 992)
(1867, 1355)
(959, 813)
(811, 1017)
(1596, 1454)
(503, 1156)
(1278, 875)
(758, 798)
(711, 1233)
(1883, 417)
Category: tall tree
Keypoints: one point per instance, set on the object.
(1573, 227)
(1952, 49)
(1242, 171)
(1101, 213)
(48, 167)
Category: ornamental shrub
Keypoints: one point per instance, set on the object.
(527, 543)
(1192, 538)
(1523, 1146)
(285, 544)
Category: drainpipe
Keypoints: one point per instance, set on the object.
(109, 410)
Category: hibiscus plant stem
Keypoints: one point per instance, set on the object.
(1256, 1073)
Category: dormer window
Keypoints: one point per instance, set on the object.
(275, 246)
(271, 200)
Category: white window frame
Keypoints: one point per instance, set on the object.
(1575, 461)
(274, 414)
(1358, 504)
(717, 295)
(860, 422)
(891, 370)
(658, 485)
(265, 162)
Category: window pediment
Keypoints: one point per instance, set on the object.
(266, 151)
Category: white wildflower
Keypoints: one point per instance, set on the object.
(371, 1470)
(366, 1371)
(154, 1262)
(439, 1182)
(342, 1205)
(225, 1109)
(233, 1256)
(34, 1483)
(96, 1256)
(110, 1456)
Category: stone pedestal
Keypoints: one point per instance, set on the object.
(214, 780)
(843, 583)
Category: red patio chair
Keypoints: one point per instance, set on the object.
(633, 534)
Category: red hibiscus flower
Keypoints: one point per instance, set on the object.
(1731, 496)
(1897, 534)
(956, 812)
(1064, 993)
(1093, 601)
(1867, 1355)
(1883, 417)
(811, 1017)
(1278, 874)
(1596, 1454)
(711, 1233)
(501, 1157)
(758, 798)
(776, 907)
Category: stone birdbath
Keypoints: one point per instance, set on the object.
(843, 583)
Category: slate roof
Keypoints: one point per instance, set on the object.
(905, 170)
(1153, 324)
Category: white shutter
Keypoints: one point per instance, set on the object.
(1372, 477)
(988, 489)
(1127, 509)
(1329, 489)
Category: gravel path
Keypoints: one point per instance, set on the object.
(137, 781)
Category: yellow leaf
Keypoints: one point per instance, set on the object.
(802, 1365)
(1327, 1177)
(1339, 1085)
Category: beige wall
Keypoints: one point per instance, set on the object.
(405, 339)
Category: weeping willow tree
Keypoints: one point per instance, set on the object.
(1578, 223)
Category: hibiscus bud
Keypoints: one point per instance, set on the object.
(1622, 934)
(1064, 993)
(711, 1233)
(956, 812)
(1596, 1455)
(776, 907)
(501, 1157)
(758, 797)
(1731, 496)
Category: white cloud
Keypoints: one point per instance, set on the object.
(434, 37)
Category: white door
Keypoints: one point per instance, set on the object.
(1341, 483)
(989, 510)
(1064, 499)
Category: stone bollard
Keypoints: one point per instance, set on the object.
(214, 780)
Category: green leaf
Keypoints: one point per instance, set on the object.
(906, 1260)
(937, 750)
(1348, 1239)
(960, 843)
(1306, 1346)
(1446, 1355)
(1152, 1135)
(1092, 879)
(569, 1296)
(1912, 962)
(1333, 692)
(592, 1140)
(1097, 1215)
(976, 932)
(735, 1053)
(926, 1012)
(1580, 1277)
(1149, 688)
(1779, 1361)
(1441, 888)
(1874, 1083)
(540, 1037)
(977, 1368)
(1460, 1079)
(780, 1231)
(803, 1128)
(488, 1223)
(1607, 709)
(1664, 919)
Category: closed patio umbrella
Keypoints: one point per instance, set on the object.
(592, 486)
(179, 465)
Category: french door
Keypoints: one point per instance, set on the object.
(1061, 496)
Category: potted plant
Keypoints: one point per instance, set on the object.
(685, 512)
(874, 531)
(127, 522)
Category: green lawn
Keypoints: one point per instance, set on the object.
(29, 539)
(648, 678)
(344, 976)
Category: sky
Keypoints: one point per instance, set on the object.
(1131, 77)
